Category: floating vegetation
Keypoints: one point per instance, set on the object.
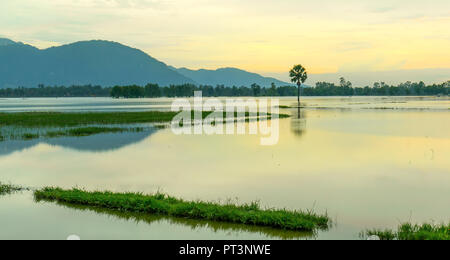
(412, 232)
(248, 214)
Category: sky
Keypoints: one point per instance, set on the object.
(263, 36)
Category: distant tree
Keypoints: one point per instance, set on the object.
(256, 90)
(272, 92)
(152, 91)
(298, 75)
(116, 92)
(344, 83)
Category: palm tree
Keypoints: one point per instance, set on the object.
(298, 75)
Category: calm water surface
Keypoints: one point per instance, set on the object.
(364, 163)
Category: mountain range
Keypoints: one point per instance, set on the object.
(105, 63)
(228, 77)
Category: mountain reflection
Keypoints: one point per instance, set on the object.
(94, 143)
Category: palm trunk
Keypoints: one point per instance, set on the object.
(298, 98)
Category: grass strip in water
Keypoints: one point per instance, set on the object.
(413, 232)
(84, 122)
(8, 188)
(249, 214)
(43, 119)
(47, 119)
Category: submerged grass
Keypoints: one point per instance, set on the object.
(249, 214)
(8, 188)
(413, 232)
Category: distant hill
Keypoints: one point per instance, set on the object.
(228, 77)
(4, 42)
(91, 62)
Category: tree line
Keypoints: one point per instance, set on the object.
(56, 91)
(344, 88)
(187, 90)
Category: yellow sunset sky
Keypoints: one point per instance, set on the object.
(264, 36)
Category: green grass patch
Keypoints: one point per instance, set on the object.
(8, 188)
(194, 224)
(413, 232)
(33, 125)
(281, 116)
(249, 214)
(40, 119)
(53, 119)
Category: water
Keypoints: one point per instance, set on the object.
(363, 162)
(108, 104)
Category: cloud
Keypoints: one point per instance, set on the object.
(382, 9)
(153, 4)
(353, 46)
(259, 35)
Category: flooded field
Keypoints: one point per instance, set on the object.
(369, 162)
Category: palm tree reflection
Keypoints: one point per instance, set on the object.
(298, 122)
